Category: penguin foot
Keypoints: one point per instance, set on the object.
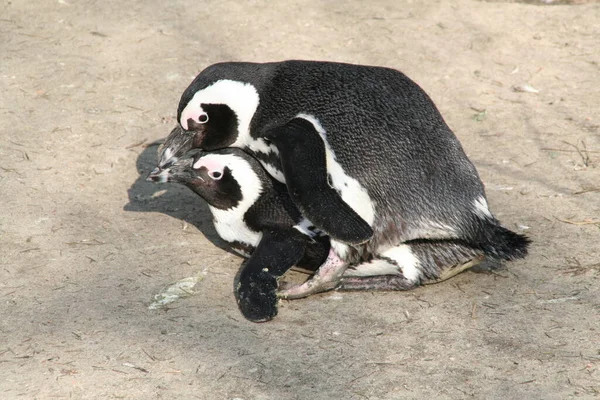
(327, 278)
(257, 298)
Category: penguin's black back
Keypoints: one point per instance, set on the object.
(375, 119)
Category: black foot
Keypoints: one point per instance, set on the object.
(257, 298)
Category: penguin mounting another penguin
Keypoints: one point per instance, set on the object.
(366, 157)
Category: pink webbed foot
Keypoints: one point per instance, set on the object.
(327, 278)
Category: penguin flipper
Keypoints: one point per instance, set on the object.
(304, 163)
(277, 252)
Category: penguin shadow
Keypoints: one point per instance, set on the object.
(178, 202)
(171, 199)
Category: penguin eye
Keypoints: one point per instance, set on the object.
(216, 175)
(203, 118)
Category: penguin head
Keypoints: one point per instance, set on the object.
(223, 179)
(212, 115)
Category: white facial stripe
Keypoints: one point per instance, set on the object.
(230, 224)
(481, 207)
(241, 97)
(352, 192)
(406, 260)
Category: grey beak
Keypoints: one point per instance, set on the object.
(155, 175)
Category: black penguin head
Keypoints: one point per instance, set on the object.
(214, 113)
(223, 179)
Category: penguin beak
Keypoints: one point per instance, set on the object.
(158, 175)
(180, 172)
(177, 144)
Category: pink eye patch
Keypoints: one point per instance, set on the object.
(209, 163)
(197, 115)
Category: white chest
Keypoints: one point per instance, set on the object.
(231, 227)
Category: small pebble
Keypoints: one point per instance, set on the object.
(526, 88)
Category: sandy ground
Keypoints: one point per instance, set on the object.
(87, 86)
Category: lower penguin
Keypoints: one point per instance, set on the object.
(256, 216)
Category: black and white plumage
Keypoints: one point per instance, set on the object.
(365, 154)
(255, 215)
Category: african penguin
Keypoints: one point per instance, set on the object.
(255, 215)
(365, 154)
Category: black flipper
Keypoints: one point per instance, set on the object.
(277, 252)
(303, 160)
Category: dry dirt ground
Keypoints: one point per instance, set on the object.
(88, 86)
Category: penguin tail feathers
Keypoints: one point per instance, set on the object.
(499, 243)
